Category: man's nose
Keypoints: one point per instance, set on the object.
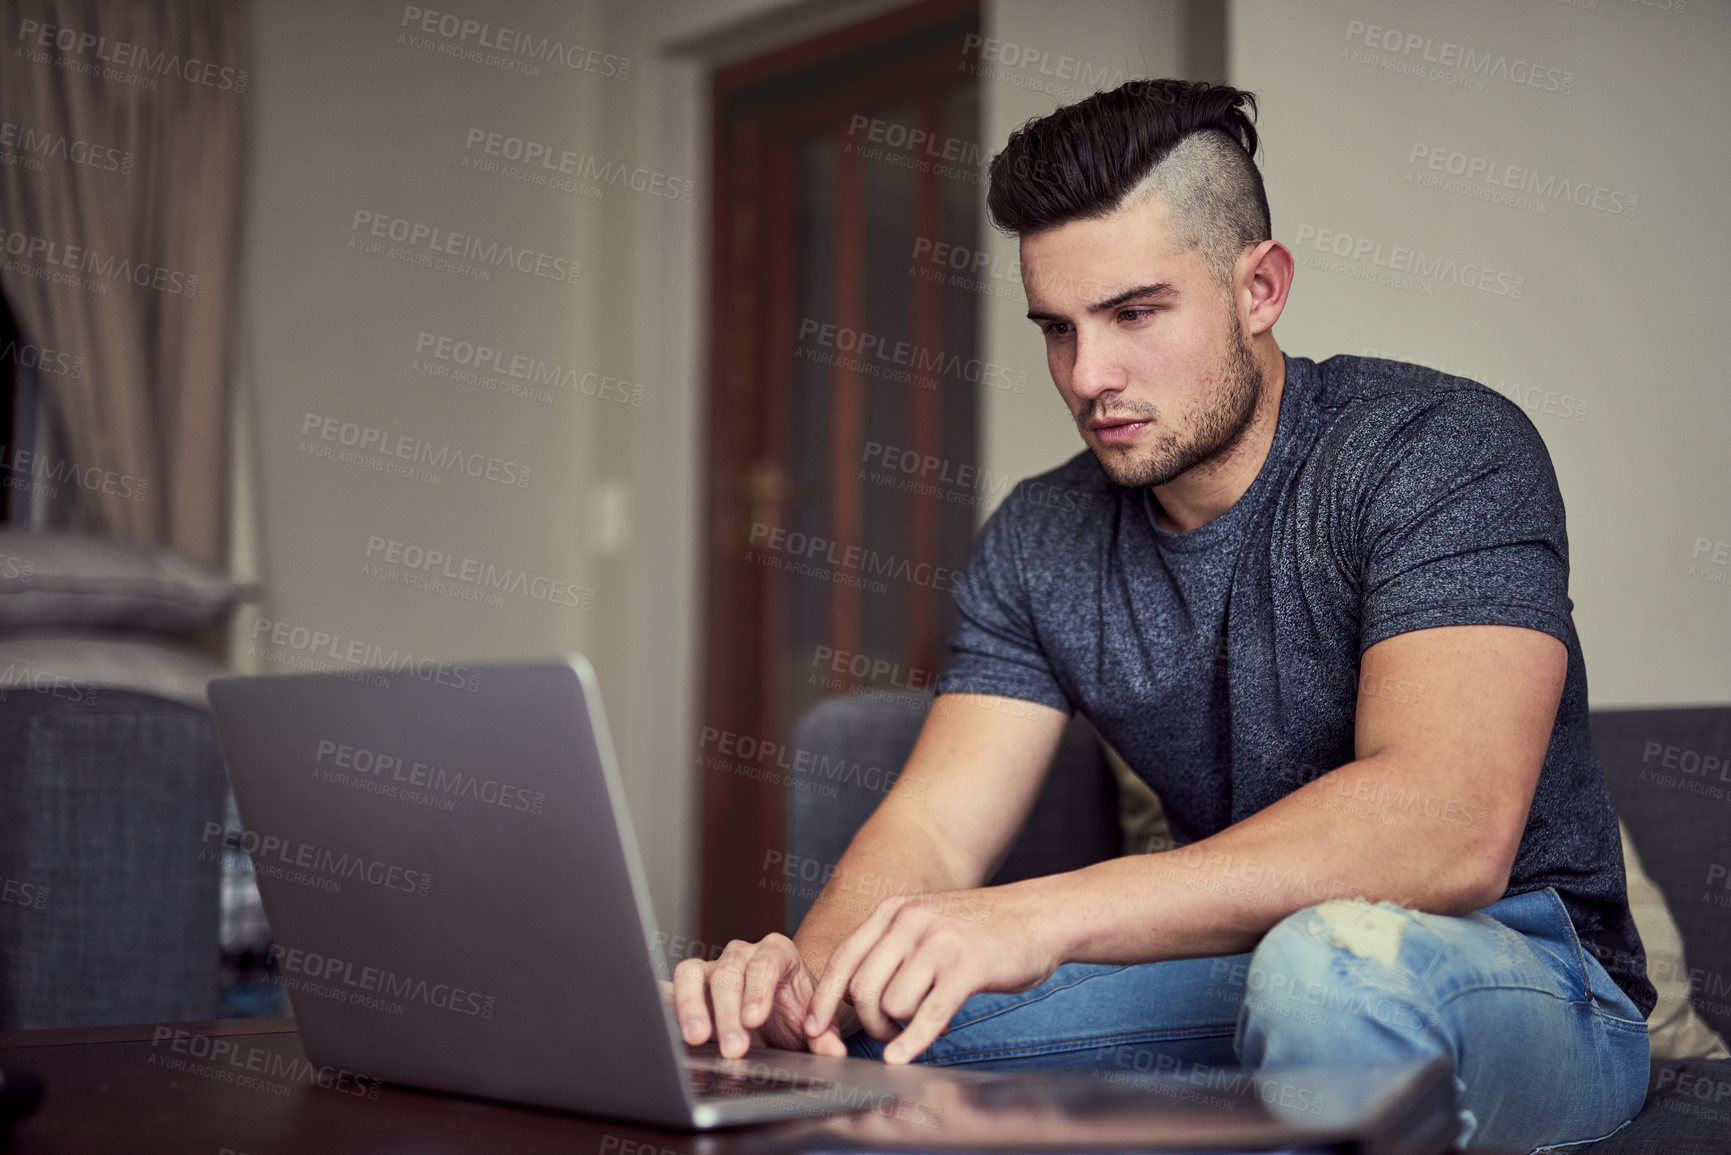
(1095, 371)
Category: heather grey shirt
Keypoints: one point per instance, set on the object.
(1223, 663)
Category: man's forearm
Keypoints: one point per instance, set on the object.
(891, 855)
(1220, 895)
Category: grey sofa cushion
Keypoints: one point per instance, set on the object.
(141, 662)
(1688, 1111)
(104, 802)
(50, 579)
(1074, 822)
(1670, 776)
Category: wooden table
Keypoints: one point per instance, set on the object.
(244, 1087)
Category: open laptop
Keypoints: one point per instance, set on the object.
(458, 903)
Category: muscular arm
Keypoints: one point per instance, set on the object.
(960, 799)
(1430, 812)
(963, 795)
(1439, 794)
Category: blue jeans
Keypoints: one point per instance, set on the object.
(1548, 1052)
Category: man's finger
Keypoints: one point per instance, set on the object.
(726, 985)
(690, 1006)
(932, 1019)
(839, 971)
(881, 967)
(768, 968)
(907, 990)
(828, 1043)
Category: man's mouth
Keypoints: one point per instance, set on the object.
(1117, 430)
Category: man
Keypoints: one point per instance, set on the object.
(1323, 611)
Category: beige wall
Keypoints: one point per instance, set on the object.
(348, 119)
(1600, 315)
(352, 115)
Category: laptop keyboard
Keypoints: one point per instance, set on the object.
(711, 1084)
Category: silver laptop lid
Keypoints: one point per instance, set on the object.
(453, 883)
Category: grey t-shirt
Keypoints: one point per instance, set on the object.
(1223, 663)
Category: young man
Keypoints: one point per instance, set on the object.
(1323, 610)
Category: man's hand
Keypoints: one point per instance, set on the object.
(918, 958)
(760, 993)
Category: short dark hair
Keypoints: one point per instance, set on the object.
(1189, 142)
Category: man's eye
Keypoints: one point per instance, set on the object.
(1057, 328)
(1135, 314)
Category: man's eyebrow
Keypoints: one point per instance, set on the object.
(1157, 289)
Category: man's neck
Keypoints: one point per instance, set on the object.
(1203, 493)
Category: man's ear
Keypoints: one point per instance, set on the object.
(1264, 277)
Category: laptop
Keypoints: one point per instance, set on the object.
(458, 903)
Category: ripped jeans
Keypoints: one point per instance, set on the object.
(1548, 1052)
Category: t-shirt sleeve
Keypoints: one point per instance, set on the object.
(995, 648)
(1461, 523)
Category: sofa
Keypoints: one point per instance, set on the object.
(111, 785)
(1669, 771)
(112, 914)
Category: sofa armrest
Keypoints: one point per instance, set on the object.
(1669, 771)
(105, 797)
(853, 749)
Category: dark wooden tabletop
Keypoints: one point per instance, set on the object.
(244, 1087)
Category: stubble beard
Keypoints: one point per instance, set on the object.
(1217, 431)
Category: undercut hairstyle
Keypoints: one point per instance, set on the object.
(1188, 143)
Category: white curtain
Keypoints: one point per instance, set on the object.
(121, 134)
